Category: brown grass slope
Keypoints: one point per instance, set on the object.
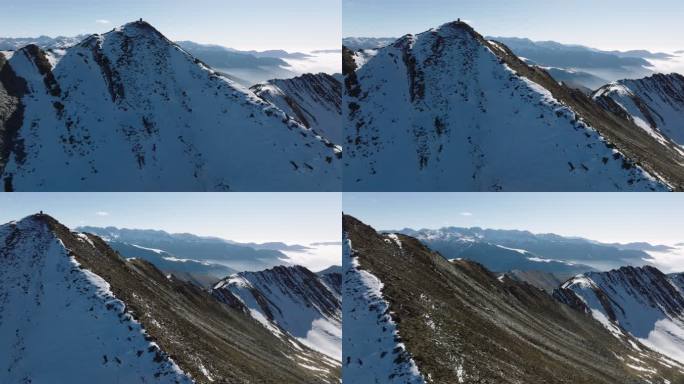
(457, 315)
(192, 326)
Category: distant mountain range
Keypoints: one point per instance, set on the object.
(192, 249)
(45, 42)
(505, 250)
(358, 43)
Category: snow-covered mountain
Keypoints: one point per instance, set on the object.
(642, 302)
(314, 100)
(72, 310)
(448, 110)
(60, 322)
(203, 273)
(408, 310)
(292, 301)
(131, 110)
(654, 103)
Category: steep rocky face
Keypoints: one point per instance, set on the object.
(315, 100)
(460, 323)
(169, 121)
(642, 302)
(289, 301)
(449, 110)
(654, 103)
(84, 297)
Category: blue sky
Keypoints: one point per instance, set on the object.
(290, 217)
(609, 217)
(243, 24)
(607, 24)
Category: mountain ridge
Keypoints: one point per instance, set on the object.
(413, 72)
(138, 81)
(206, 338)
(461, 323)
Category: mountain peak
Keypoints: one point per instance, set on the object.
(458, 25)
(140, 27)
(39, 217)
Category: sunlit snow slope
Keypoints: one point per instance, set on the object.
(655, 103)
(313, 99)
(291, 300)
(643, 302)
(442, 111)
(61, 323)
(372, 350)
(130, 110)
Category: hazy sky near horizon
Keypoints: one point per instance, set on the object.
(608, 24)
(300, 218)
(294, 25)
(608, 217)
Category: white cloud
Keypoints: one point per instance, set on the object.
(102, 21)
(102, 213)
(466, 214)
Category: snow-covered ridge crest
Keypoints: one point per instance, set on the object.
(39, 279)
(171, 123)
(371, 350)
